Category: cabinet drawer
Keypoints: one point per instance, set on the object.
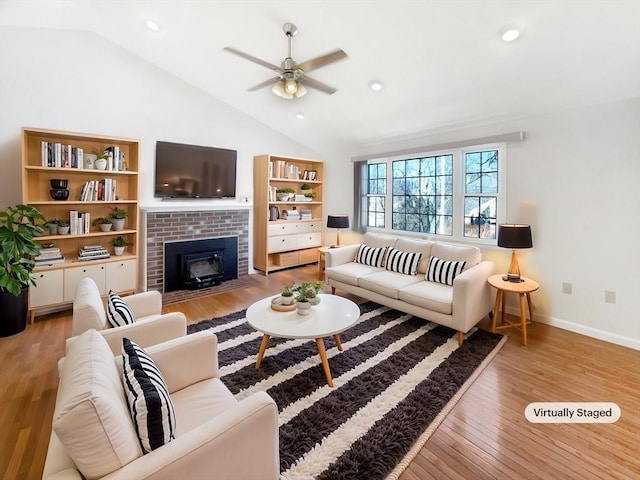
(286, 258)
(309, 255)
(72, 277)
(121, 276)
(306, 240)
(281, 228)
(48, 290)
(281, 243)
(309, 227)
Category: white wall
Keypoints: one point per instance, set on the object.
(576, 180)
(79, 82)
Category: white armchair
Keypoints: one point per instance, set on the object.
(216, 435)
(150, 328)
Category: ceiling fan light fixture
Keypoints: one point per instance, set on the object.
(278, 88)
(291, 86)
(301, 91)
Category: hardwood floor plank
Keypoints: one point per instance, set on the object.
(485, 436)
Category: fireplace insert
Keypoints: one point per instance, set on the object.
(202, 269)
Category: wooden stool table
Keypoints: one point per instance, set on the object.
(523, 289)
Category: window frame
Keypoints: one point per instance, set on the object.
(459, 193)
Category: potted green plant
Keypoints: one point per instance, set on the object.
(285, 194)
(100, 161)
(104, 223)
(18, 230)
(52, 225)
(307, 191)
(63, 227)
(118, 216)
(307, 295)
(287, 295)
(119, 244)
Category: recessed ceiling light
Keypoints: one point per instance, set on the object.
(509, 34)
(300, 116)
(153, 25)
(375, 86)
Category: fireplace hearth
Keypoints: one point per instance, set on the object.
(202, 270)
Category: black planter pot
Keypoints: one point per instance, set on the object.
(14, 312)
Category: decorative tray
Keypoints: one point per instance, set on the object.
(278, 306)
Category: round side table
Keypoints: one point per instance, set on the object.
(524, 288)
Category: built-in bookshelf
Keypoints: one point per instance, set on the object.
(95, 190)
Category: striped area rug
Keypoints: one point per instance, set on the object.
(394, 382)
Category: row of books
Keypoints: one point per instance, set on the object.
(97, 190)
(283, 169)
(92, 252)
(79, 222)
(49, 256)
(59, 155)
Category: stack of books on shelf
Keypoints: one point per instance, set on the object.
(99, 190)
(92, 252)
(48, 256)
(290, 215)
(305, 214)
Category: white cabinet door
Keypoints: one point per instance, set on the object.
(121, 276)
(306, 240)
(282, 243)
(48, 289)
(72, 277)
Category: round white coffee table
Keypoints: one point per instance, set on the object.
(332, 316)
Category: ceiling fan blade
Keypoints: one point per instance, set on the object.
(322, 60)
(310, 82)
(253, 59)
(266, 83)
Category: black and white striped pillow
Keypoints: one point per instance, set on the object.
(403, 262)
(443, 271)
(373, 256)
(148, 397)
(118, 312)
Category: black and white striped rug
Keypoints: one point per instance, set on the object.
(394, 382)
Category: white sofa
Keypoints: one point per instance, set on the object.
(459, 306)
(216, 436)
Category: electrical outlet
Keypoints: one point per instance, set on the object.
(567, 288)
(609, 296)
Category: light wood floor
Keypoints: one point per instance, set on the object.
(485, 436)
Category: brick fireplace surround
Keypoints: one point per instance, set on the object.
(169, 226)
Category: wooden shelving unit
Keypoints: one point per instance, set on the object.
(56, 282)
(280, 243)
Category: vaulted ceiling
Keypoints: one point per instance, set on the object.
(442, 63)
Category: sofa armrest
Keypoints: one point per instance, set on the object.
(187, 360)
(472, 296)
(145, 303)
(339, 255)
(145, 332)
(241, 442)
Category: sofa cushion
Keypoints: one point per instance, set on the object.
(349, 273)
(402, 262)
(148, 396)
(379, 240)
(465, 253)
(88, 308)
(416, 245)
(118, 312)
(443, 271)
(374, 256)
(91, 417)
(432, 296)
(388, 283)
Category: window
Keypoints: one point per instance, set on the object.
(457, 193)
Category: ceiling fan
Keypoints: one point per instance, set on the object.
(292, 77)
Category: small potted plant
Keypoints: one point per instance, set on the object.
(52, 225)
(63, 227)
(285, 194)
(287, 295)
(104, 223)
(100, 162)
(119, 244)
(118, 216)
(307, 191)
(307, 296)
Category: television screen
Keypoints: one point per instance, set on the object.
(193, 171)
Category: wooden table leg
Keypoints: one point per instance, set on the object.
(530, 307)
(336, 338)
(263, 347)
(325, 361)
(523, 319)
(496, 310)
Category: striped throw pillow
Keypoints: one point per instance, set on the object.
(118, 312)
(403, 262)
(148, 397)
(443, 271)
(373, 256)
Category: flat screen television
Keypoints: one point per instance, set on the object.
(194, 171)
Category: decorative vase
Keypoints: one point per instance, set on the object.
(286, 300)
(105, 227)
(314, 301)
(15, 310)
(53, 228)
(119, 250)
(63, 230)
(283, 197)
(304, 308)
(118, 224)
(100, 164)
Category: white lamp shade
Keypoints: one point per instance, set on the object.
(301, 90)
(291, 86)
(278, 88)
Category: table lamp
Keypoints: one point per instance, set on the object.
(511, 235)
(338, 221)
